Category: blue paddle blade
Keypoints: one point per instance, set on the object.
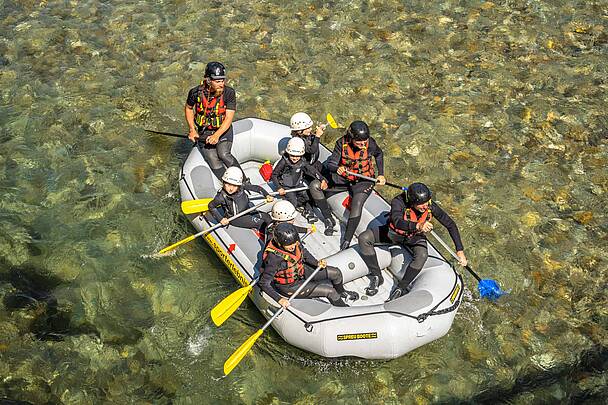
(490, 289)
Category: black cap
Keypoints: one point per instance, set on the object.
(358, 131)
(215, 70)
(418, 193)
(285, 234)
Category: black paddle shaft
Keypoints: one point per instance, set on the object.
(166, 133)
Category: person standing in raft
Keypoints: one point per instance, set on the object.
(286, 263)
(354, 152)
(409, 220)
(209, 112)
(301, 126)
(289, 173)
(233, 199)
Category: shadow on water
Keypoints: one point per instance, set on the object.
(33, 291)
(592, 362)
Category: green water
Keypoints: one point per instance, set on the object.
(499, 107)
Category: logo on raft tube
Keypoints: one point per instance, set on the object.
(357, 336)
(226, 259)
(455, 293)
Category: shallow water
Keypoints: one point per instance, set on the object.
(499, 107)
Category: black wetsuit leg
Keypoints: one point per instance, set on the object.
(256, 220)
(359, 192)
(419, 255)
(367, 240)
(218, 156)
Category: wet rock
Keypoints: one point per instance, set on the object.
(583, 217)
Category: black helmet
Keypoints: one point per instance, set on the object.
(215, 70)
(285, 234)
(418, 193)
(358, 131)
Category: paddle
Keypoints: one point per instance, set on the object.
(228, 305)
(166, 133)
(375, 180)
(213, 228)
(238, 355)
(194, 206)
(487, 288)
(331, 121)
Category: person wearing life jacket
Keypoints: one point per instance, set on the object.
(290, 172)
(409, 221)
(209, 112)
(301, 126)
(286, 264)
(232, 199)
(355, 152)
(284, 211)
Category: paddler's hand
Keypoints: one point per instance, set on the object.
(224, 221)
(380, 180)
(212, 139)
(322, 263)
(193, 135)
(269, 198)
(324, 184)
(284, 302)
(425, 227)
(341, 170)
(281, 191)
(462, 258)
(320, 130)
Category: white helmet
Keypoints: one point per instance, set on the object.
(233, 175)
(295, 147)
(283, 210)
(300, 121)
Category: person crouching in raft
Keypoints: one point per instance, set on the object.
(354, 152)
(284, 211)
(233, 199)
(409, 220)
(290, 172)
(301, 126)
(286, 263)
(209, 112)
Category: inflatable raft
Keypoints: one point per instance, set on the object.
(372, 327)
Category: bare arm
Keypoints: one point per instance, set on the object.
(189, 113)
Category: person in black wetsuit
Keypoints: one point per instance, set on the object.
(409, 220)
(354, 152)
(287, 263)
(289, 173)
(301, 126)
(209, 111)
(284, 211)
(233, 199)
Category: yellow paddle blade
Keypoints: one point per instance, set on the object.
(331, 121)
(238, 355)
(194, 206)
(176, 244)
(228, 305)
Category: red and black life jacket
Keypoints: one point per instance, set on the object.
(410, 215)
(295, 263)
(359, 162)
(209, 114)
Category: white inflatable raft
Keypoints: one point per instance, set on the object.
(370, 328)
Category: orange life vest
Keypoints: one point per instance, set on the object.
(295, 264)
(209, 113)
(410, 215)
(359, 162)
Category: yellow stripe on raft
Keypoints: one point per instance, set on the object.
(225, 257)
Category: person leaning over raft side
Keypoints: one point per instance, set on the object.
(289, 173)
(283, 211)
(410, 218)
(233, 199)
(209, 112)
(301, 126)
(286, 263)
(354, 152)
